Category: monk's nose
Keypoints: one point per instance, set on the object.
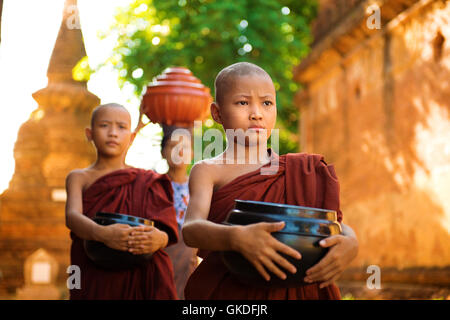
(113, 132)
(255, 114)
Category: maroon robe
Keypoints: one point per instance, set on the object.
(302, 179)
(141, 193)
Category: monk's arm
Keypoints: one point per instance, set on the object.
(254, 241)
(197, 231)
(78, 223)
(81, 225)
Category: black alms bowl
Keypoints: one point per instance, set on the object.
(108, 258)
(304, 228)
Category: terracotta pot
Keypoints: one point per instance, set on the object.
(176, 97)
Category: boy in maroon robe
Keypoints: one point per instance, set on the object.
(246, 102)
(110, 185)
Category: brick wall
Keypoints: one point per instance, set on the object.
(381, 115)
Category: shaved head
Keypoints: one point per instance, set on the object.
(104, 106)
(225, 79)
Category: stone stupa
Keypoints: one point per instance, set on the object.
(49, 145)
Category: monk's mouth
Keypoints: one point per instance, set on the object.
(256, 129)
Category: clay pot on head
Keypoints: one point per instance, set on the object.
(176, 97)
(304, 228)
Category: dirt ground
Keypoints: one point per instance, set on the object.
(393, 291)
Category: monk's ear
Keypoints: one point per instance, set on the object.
(88, 132)
(215, 112)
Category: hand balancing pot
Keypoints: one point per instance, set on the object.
(108, 258)
(304, 228)
(176, 97)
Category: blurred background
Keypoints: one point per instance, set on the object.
(365, 83)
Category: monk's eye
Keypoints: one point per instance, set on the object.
(103, 125)
(242, 103)
(268, 103)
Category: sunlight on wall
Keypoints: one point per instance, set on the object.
(433, 140)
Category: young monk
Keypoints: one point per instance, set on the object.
(110, 185)
(245, 99)
(177, 150)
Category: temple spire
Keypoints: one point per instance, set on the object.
(69, 46)
(62, 91)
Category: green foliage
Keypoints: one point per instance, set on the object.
(207, 35)
(82, 70)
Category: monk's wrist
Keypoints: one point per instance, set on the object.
(234, 240)
(99, 233)
(164, 239)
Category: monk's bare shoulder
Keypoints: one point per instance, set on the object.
(205, 173)
(203, 170)
(79, 178)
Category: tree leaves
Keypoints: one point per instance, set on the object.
(207, 35)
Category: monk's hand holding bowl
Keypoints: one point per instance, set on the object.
(147, 239)
(115, 236)
(343, 249)
(258, 246)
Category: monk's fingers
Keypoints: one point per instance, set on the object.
(269, 265)
(136, 251)
(122, 231)
(283, 262)
(330, 281)
(283, 248)
(135, 248)
(143, 228)
(329, 258)
(272, 226)
(123, 226)
(259, 267)
(142, 249)
(139, 238)
(139, 243)
(322, 273)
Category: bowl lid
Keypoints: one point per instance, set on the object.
(285, 209)
(125, 218)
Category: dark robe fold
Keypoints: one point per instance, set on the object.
(141, 193)
(302, 179)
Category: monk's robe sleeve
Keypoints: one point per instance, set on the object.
(328, 184)
(311, 182)
(160, 208)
